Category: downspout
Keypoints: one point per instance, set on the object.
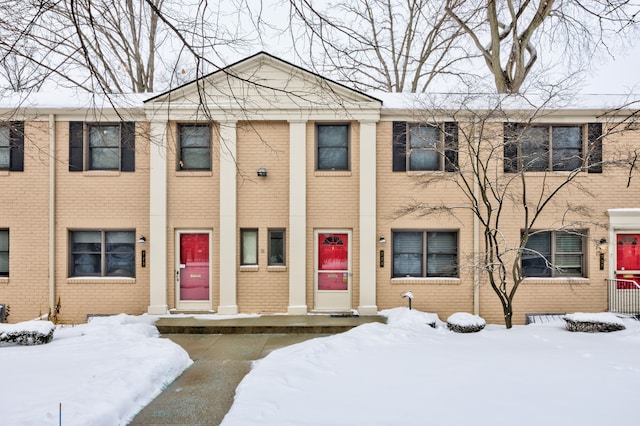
(52, 211)
(476, 228)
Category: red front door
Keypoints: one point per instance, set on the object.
(627, 260)
(194, 267)
(333, 262)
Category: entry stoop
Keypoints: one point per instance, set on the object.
(267, 324)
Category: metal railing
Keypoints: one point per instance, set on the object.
(624, 296)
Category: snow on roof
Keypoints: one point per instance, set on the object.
(68, 99)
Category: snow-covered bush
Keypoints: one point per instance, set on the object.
(593, 323)
(27, 333)
(462, 322)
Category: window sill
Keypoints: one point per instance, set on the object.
(4, 172)
(249, 268)
(193, 173)
(332, 173)
(430, 280)
(4, 280)
(424, 172)
(556, 280)
(100, 280)
(101, 173)
(277, 268)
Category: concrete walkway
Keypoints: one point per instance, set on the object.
(223, 351)
(203, 394)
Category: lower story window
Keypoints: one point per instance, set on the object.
(425, 254)
(276, 247)
(554, 254)
(102, 254)
(249, 248)
(4, 252)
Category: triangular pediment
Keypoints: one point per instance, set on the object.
(263, 87)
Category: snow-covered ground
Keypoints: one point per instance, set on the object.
(407, 373)
(402, 373)
(100, 373)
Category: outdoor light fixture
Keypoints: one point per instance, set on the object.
(602, 246)
(382, 240)
(142, 239)
(262, 172)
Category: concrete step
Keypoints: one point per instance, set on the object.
(265, 324)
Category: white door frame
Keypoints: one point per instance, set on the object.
(333, 300)
(205, 305)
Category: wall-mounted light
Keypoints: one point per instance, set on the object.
(382, 240)
(602, 246)
(262, 172)
(142, 239)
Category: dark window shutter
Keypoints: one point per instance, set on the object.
(594, 131)
(76, 158)
(510, 147)
(16, 144)
(450, 146)
(399, 146)
(128, 146)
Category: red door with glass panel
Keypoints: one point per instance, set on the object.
(627, 260)
(194, 276)
(333, 275)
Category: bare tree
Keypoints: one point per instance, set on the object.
(510, 34)
(507, 165)
(390, 45)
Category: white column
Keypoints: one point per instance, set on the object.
(297, 218)
(228, 226)
(157, 238)
(368, 236)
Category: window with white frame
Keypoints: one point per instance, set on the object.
(425, 253)
(554, 254)
(99, 253)
(553, 147)
(276, 247)
(4, 252)
(195, 147)
(332, 146)
(249, 247)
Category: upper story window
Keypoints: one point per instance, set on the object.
(101, 146)
(12, 146)
(194, 151)
(554, 254)
(553, 147)
(4, 252)
(425, 254)
(425, 147)
(102, 254)
(332, 147)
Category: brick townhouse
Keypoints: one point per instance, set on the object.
(265, 188)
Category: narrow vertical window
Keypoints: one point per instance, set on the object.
(276, 247)
(249, 248)
(4, 252)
